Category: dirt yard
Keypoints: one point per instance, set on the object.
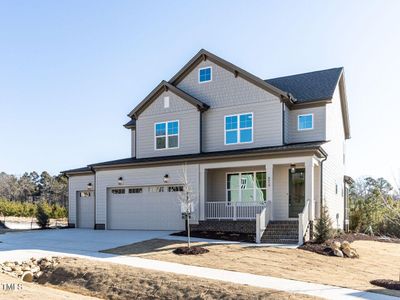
(32, 291)
(377, 260)
(113, 281)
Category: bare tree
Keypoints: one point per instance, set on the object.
(187, 199)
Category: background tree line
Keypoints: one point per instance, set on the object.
(32, 187)
(374, 206)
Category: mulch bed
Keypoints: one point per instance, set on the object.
(218, 235)
(387, 284)
(325, 249)
(190, 251)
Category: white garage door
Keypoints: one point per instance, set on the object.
(85, 210)
(144, 208)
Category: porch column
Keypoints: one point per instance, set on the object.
(202, 192)
(309, 188)
(270, 185)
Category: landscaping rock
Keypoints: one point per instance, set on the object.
(7, 269)
(338, 253)
(27, 276)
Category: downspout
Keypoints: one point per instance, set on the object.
(322, 184)
(94, 196)
(201, 133)
(283, 124)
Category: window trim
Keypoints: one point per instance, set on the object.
(254, 188)
(305, 115)
(166, 135)
(211, 74)
(238, 129)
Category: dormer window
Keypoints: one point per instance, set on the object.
(166, 135)
(205, 74)
(305, 122)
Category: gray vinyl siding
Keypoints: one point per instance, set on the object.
(267, 126)
(333, 167)
(176, 104)
(137, 177)
(227, 94)
(286, 123)
(133, 143)
(189, 127)
(76, 183)
(318, 133)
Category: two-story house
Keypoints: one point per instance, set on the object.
(271, 151)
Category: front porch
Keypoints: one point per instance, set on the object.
(263, 192)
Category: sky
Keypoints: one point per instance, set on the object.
(71, 71)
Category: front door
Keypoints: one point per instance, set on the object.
(296, 192)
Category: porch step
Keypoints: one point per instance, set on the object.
(281, 232)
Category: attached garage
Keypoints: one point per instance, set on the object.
(85, 209)
(144, 208)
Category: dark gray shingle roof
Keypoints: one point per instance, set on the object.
(318, 85)
(316, 145)
(130, 124)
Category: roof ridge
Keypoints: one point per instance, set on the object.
(306, 73)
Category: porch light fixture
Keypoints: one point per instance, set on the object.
(166, 178)
(120, 181)
(89, 186)
(292, 168)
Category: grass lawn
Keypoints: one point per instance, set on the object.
(113, 281)
(377, 260)
(32, 291)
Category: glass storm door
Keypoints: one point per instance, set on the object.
(296, 192)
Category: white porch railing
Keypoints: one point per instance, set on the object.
(232, 211)
(262, 220)
(304, 222)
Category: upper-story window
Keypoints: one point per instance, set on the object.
(166, 135)
(239, 129)
(305, 122)
(205, 74)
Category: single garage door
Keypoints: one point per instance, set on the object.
(144, 208)
(85, 209)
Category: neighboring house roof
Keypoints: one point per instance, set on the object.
(130, 124)
(84, 170)
(205, 55)
(316, 146)
(165, 86)
(312, 86)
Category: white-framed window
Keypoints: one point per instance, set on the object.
(118, 191)
(177, 188)
(166, 135)
(166, 102)
(238, 129)
(85, 194)
(305, 122)
(135, 191)
(246, 187)
(156, 189)
(205, 74)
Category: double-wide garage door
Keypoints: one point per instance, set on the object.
(144, 208)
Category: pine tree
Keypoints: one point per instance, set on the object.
(42, 216)
(323, 227)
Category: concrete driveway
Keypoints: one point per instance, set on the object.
(86, 242)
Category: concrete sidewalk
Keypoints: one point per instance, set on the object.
(11, 249)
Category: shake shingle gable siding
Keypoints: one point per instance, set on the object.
(313, 86)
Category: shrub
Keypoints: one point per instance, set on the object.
(28, 209)
(323, 227)
(43, 215)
